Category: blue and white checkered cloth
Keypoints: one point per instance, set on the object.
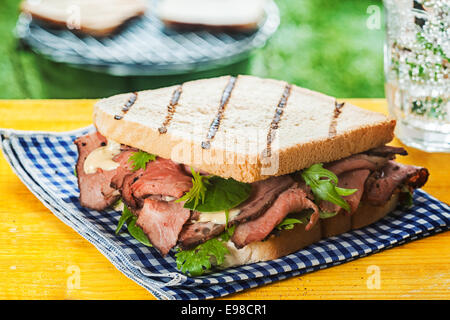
(45, 163)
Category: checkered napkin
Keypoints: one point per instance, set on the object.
(45, 163)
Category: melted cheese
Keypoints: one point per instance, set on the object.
(218, 217)
(102, 158)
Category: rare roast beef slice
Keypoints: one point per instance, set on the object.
(126, 191)
(199, 232)
(356, 162)
(349, 180)
(162, 221)
(95, 190)
(381, 184)
(125, 168)
(162, 177)
(291, 200)
(387, 151)
(261, 198)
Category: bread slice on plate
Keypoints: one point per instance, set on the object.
(234, 15)
(242, 127)
(97, 18)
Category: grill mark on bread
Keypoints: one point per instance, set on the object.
(214, 127)
(276, 119)
(337, 111)
(171, 108)
(127, 106)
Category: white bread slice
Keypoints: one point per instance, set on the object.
(238, 150)
(97, 18)
(217, 14)
(289, 241)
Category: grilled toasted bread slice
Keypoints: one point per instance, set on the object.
(242, 127)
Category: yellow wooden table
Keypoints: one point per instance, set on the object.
(42, 258)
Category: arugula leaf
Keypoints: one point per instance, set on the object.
(326, 214)
(288, 223)
(126, 216)
(323, 185)
(136, 232)
(200, 259)
(302, 217)
(75, 172)
(345, 192)
(218, 194)
(140, 159)
(406, 197)
(197, 193)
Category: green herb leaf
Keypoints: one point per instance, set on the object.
(197, 193)
(227, 234)
(217, 195)
(323, 185)
(126, 216)
(140, 159)
(406, 197)
(196, 261)
(345, 192)
(136, 232)
(326, 215)
(317, 172)
(288, 223)
(75, 172)
(200, 259)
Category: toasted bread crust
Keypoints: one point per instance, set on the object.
(302, 136)
(289, 241)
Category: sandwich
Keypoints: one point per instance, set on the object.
(214, 15)
(98, 18)
(231, 170)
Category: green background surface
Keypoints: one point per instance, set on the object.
(324, 45)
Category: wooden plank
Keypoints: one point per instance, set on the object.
(42, 258)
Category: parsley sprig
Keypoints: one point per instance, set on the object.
(197, 261)
(197, 193)
(212, 193)
(140, 159)
(323, 184)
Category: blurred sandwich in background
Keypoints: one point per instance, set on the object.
(228, 15)
(93, 17)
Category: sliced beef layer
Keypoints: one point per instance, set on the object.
(382, 183)
(124, 169)
(162, 222)
(356, 162)
(161, 177)
(95, 190)
(291, 200)
(387, 151)
(199, 232)
(263, 195)
(349, 180)
(126, 191)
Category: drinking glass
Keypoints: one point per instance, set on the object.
(416, 54)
